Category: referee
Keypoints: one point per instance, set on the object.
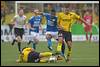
(19, 22)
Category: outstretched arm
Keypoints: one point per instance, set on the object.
(83, 21)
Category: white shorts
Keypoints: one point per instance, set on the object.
(35, 35)
(53, 34)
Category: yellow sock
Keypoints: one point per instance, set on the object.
(59, 47)
(43, 61)
(69, 52)
(45, 54)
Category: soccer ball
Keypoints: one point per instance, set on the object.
(52, 59)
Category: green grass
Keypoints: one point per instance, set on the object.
(78, 29)
(83, 54)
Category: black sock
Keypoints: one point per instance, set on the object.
(63, 48)
(14, 41)
(19, 46)
(34, 45)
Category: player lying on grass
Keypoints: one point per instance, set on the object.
(31, 56)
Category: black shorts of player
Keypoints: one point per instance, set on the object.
(33, 57)
(19, 32)
(65, 34)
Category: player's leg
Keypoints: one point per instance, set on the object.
(87, 36)
(35, 40)
(86, 31)
(55, 36)
(20, 37)
(90, 33)
(30, 41)
(44, 60)
(16, 34)
(45, 54)
(19, 43)
(20, 58)
(68, 40)
(48, 37)
(69, 52)
(60, 41)
(19, 40)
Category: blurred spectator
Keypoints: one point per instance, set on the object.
(2, 15)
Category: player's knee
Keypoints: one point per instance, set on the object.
(69, 43)
(36, 41)
(60, 39)
(48, 36)
(19, 39)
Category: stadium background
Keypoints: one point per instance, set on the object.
(8, 11)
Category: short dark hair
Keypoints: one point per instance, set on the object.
(19, 9)
(24, 48)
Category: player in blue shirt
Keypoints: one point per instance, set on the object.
(34, 24)
(51, 29)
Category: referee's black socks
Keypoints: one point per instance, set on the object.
(19, 46)
(14, 41)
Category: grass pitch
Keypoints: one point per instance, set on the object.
(83, 54)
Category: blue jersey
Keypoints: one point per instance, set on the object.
(35, 23)
(51, 22)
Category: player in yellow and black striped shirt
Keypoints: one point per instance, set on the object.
(29, 55)
(65, 21)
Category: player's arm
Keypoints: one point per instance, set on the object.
(25, 23)
(29, 24)
(43, 20)
(80, 19)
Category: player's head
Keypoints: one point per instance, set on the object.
(53, 12)
(63, 9)
(36, 11)
(87, 12)
(23, 48)
(67, 10)
(20, 12)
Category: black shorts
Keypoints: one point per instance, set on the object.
(33, 57)
(19, 32)
(66, 35)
